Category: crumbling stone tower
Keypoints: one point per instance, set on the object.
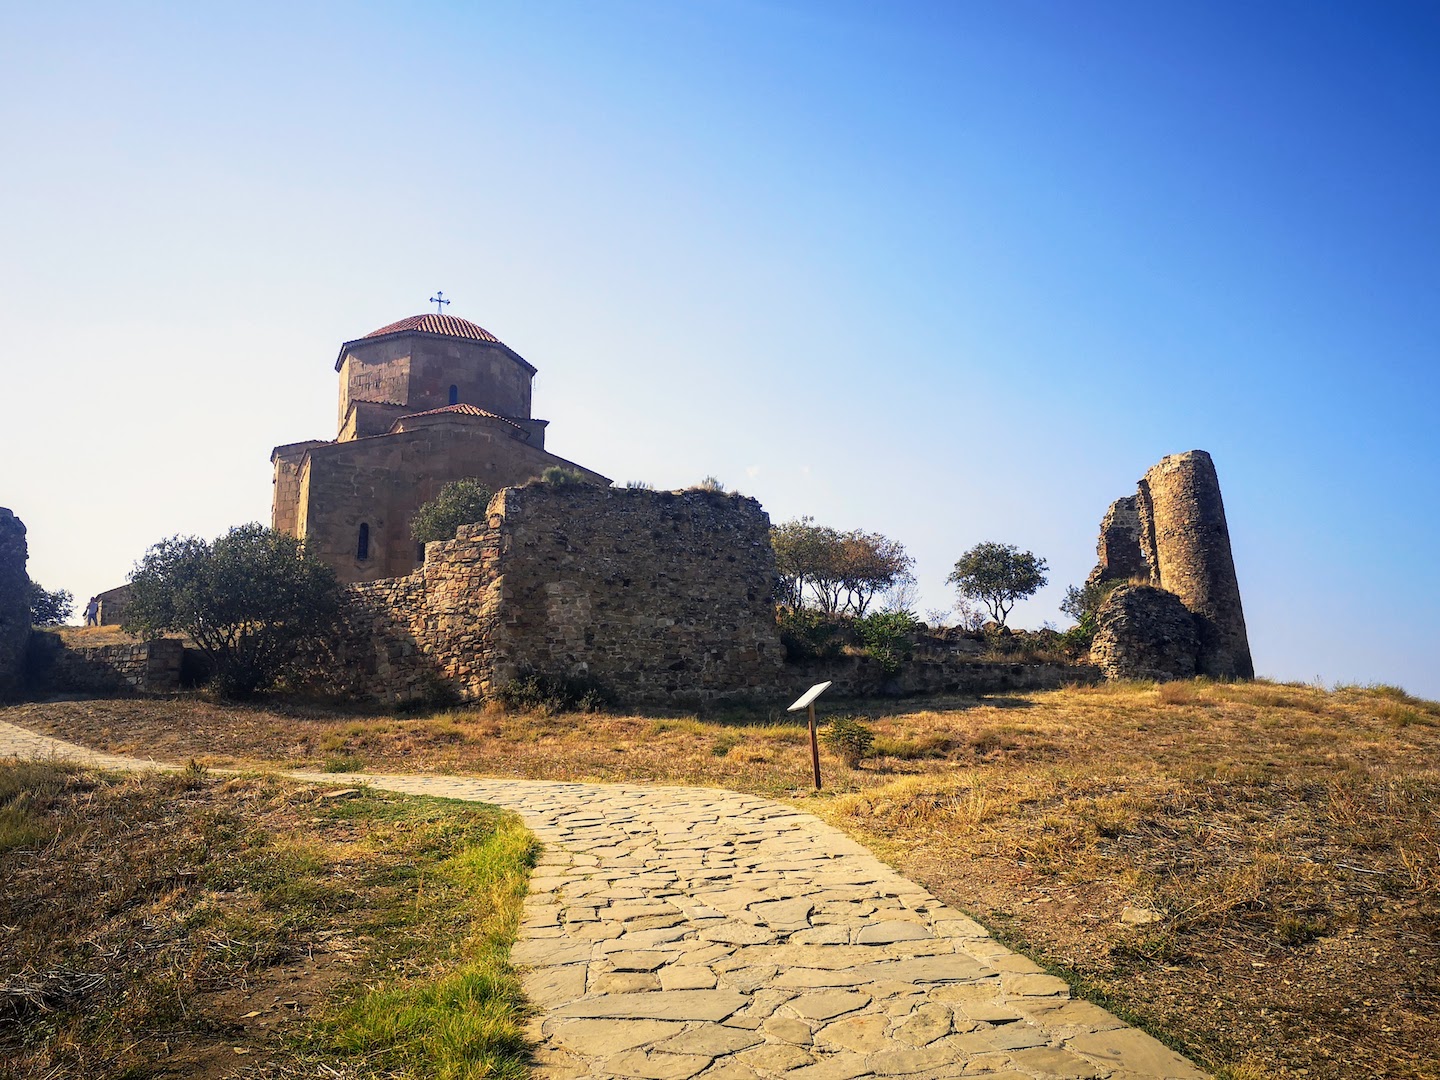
(14, 602)
(1172, 533)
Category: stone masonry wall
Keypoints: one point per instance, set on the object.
(660, 597)
(14, 603)
(151, 667)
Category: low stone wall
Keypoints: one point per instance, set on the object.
(151, 667)
(863, 677)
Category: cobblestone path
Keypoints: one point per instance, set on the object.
(673, 933)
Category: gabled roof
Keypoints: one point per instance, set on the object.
(442, 325)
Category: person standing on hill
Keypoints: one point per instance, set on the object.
(92, 612)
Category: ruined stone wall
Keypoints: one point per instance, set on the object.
(1145, 633)
(151, 667)
(381, 482)
(659, 597)
(1119, 549)
(1186, 540)
(1173, 533)
(14, 603)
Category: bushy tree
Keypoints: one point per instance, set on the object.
(460, 502)
(249, 600)
(843, 571)
(49, 608)
(997, 575)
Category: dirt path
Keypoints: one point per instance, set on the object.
(689, 932)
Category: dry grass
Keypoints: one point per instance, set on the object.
(179, 924)
(1287, 838)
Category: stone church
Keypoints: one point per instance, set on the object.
(423, 401)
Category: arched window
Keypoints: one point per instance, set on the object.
(362, 548)
(454, 395)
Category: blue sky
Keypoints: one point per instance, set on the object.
(952, 272)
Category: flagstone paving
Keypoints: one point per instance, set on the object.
(672, 933)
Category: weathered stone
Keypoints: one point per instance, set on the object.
(927, 1023)
(1051, 1061)
(1145, 633)
(648, 1065)
(828, 1004)
(635, 961)
(885, 933)
(788, 1029)
(860, 1034)
(1133, 1051)
(686, 977)
(776, 1057)
(1172, 534)
(550, 986)
(14, 603)
(622, 982)
(928, 969)
(1035, 986)
(602, 1038)
(1119, 549)
(711, 1039)
(712, 1005)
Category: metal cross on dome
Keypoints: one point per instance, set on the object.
(439, 301)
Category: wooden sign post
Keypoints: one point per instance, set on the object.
(807, 702)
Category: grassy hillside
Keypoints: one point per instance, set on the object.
(1248, 870)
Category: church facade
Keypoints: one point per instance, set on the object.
(423, 401)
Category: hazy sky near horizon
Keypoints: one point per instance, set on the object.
(951, 271)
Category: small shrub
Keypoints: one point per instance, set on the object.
(559, 476)
(888, 637)
(849, 739)
(708, 484)
(534, 692)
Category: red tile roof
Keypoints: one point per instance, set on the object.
(439, 324)
(462, 410)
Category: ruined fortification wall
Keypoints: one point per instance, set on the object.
(14, 602)
(151, 667)
(1173, 534)
(657, 596)
(1119, 549)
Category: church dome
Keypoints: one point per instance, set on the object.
(449, 325)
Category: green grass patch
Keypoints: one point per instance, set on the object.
(145, 913)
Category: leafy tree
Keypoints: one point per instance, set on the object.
(249, 600)
(1082, 602)
(460, 502)
(998, 575)
(844, 571)
(49, 608)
